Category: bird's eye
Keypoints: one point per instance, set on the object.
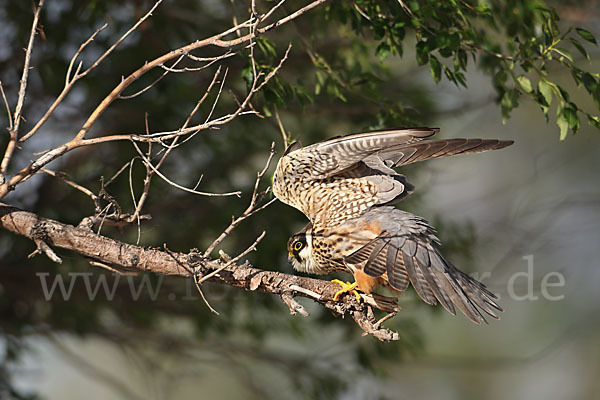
(297, 246)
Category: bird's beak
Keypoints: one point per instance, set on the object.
(290, 257)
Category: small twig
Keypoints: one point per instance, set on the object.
(385, 335)
(10, 121)
(116, 174)
(293, 305)
(74, 185)
(170, 182)
(112, 269)
(78, 75)
(16, 120)
(24, 77)
(265, 17)
(305, 291)
(233, 260)
(210, 113)
(200, 280)
(191, 115)
(249, 211)
(42, 247)
(227, 54)
(167, 70)
(383, 319)
(195, 69)
(281, 128)
(211, 308)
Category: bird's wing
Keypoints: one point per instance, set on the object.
(330, 157)
(420, 151)
(394, 147)
(410, 254)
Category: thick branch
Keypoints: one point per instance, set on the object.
(129, 257)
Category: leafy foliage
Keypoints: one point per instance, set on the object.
(516, 42)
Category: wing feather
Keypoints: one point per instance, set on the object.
(426, 150)
(411, 255)
(338, 154)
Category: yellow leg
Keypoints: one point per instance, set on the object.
(346, 287)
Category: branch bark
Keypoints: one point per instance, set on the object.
(129, 257)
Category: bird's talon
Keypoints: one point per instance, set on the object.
(346, 287)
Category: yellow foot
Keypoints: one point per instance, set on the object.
(346, 287)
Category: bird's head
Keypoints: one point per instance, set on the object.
(300, 250)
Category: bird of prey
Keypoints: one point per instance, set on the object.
(345, 186)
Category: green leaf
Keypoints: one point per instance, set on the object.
(422, 53)
(462, 59)
(383, 51)
(586, 35)
(566, 118)
(563, 53)
(572, 118)
(563, 126)
(561, 121)
(525, 83)
(266, 46)
(546, 91)
(460, 77)
(580, 48)
(500, 78)
(593, 120)
(436, 68)
(563, 93)
(590, 84)
(510, 100)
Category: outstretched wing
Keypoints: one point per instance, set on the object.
(330, 157)
(410, 254)
(390, 148)
(414, 152)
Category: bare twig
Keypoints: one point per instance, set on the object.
(284, 135)
(16, 120)
(112, 269)
(204, 299)
(384, 335)
(252, 207)
(170, 182)
(78, 75)
(139, 92)
(43, 248)
(307, 292)
(234, 260)
(10, 122)
(294, 306)
(74, 185)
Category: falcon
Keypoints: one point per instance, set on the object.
(346, 187)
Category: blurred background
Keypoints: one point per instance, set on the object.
(525, 220)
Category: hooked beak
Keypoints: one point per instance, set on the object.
(290, 257)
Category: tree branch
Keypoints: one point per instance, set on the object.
(135, 258)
